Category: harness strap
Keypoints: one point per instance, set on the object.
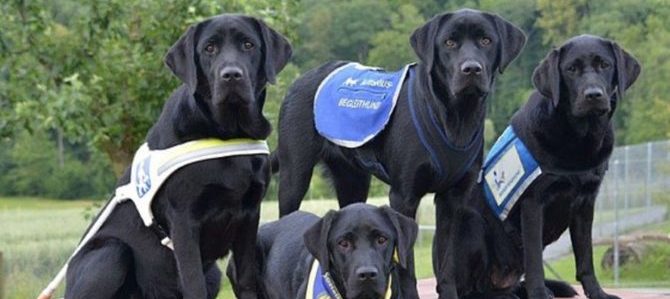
(450, 161)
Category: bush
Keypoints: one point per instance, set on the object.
(31, 166)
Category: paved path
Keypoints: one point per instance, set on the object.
(427, 291)
(563, 245)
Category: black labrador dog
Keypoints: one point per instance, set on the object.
(566, 126)
(361, 247)
(460, 53)
(210, 207)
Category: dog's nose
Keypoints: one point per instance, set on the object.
(367, 273)
(593, 93)
(471, 67)
(231, 73)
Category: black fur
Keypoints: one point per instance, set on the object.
(458, 99)
(207, 208)
(355, 245)
(567, 126)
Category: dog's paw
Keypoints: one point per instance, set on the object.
(602, 295)
(247, 295)
(540, 293)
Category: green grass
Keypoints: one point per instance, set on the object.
(34, 203)
(651, 272)
(38, 235)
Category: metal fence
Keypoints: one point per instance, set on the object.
(637, 175)
(635, 193)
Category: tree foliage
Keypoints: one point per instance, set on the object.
(93, 70)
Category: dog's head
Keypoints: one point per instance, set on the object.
(465, 48)
(587, 75)
(360, 245)
(227, 60)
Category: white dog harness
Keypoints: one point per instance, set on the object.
(150, 169)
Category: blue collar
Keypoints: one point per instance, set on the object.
(450, 162)
(321, 286)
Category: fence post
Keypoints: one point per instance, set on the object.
(2, 278)
(625, 177)
(647, 185)
(616, 223)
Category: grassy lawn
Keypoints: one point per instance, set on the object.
(37, 236)
(651, 272)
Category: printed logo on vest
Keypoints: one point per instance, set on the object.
(505, 174)
(143, 178)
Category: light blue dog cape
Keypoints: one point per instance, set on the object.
(508, 171)
(354, 103)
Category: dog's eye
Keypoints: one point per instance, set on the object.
(604, 65)
(572, 69)
(248, 45)
(450, 43)
(485, 41)
(344, 244)
(210, 49)
(381, 240)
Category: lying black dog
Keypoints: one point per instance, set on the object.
(207, 208)
(460, 54)
(566, 130)
(358, 248)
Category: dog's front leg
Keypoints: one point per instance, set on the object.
(580, 234)
(406, 276)
(185, 235)
(444, 265)
(532, 215)
(244, 257)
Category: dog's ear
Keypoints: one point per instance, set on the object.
(316, 239)
(406, 231)
(423, 40)
(276, 51)
(547, 78)
(512, 39)
(181, 58)
(627, 68)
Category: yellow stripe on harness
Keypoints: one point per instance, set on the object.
(151, 168)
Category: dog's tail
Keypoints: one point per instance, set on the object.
(556, 287)
(274, 161)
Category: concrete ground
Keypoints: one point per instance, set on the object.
(427, 291)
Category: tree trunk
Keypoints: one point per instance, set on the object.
(120, 156)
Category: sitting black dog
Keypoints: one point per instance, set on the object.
(207, 208)
(564, 138)
(359, 250)
(460, 54)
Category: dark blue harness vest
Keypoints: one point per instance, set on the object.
(354, 103)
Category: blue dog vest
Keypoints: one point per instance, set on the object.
(508, 171)
(354, 103)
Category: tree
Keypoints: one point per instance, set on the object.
(98, 74)
(390, 48)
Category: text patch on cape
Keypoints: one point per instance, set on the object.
(354, 103)
(508, 171)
